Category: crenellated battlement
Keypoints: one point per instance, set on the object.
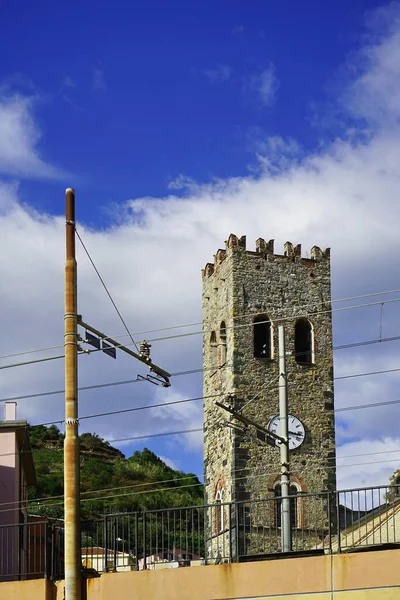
(263, 248)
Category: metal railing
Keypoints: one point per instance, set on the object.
(244, 530)
(367, 517)
(334, 522)
(31, 550)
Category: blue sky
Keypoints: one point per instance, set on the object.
(130, 97)
(179, 123)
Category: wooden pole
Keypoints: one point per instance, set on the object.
(71, 442)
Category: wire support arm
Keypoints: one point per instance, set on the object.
(246, 421)
(142, 358)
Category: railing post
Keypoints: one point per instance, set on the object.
(237, 537)
(230, 533)
(338, 519)
(115, 536)
(329, 523)
(105, 544)
(52, 567)
(136, 539)
(46, 549)
(144, 541)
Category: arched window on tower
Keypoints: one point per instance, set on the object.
(293, 501)
(213, 350)
(222, 343)
(262, 338)
(219, 511)
(303, 342)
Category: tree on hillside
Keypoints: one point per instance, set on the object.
(393, 492)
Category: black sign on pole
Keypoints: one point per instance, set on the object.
(264, 437)
(110, 350)
(92, 340)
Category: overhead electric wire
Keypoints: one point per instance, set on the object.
(160, 489)
(166, 404)
(129, 381)
(136, 408)
(271, 321)
(93, 491)
(365, 374)
(178, 488)
(154, 435)
(205, 331)
(44, 500)
(163, 404)
(193, 371)
(31, 362)
(105, 287)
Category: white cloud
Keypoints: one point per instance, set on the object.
(345, 196)
(368, 462)
(19, 139)
(98, 81)
(375, 94)
(219, 74)
(273, 153)
(264, 85)
(171, 463)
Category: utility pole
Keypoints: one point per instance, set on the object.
(286, 534)
(282, 440)
(72, 545)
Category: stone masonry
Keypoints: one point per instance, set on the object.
(239, 286)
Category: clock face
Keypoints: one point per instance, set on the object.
(297, 432)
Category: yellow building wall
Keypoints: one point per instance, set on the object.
(36, 589)
(357, 576)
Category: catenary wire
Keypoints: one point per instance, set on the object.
(270, 465)
(108, 497)
(106, 289)
(165, 404)
(188, 372)
(196, 333)
(256, 474)
(270, 321)
(111, 489)
(200, 323)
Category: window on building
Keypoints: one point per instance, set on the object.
(219, 512)
(293, 491)
(222, 342)
(213, 350)
(262, 338)
(303, 342)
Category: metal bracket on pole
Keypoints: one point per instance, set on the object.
(270, 438)
(240, 430)
(144, 357)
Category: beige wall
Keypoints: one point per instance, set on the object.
(357, 576)
(312, 577)
(39, 589)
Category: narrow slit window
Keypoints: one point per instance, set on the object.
(303, 342)
(262, 337)
(213, 350)
(222, 340)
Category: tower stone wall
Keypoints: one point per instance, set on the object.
(238, 287)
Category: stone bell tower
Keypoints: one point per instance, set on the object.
(245, 295)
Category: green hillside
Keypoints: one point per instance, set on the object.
(110, 482)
